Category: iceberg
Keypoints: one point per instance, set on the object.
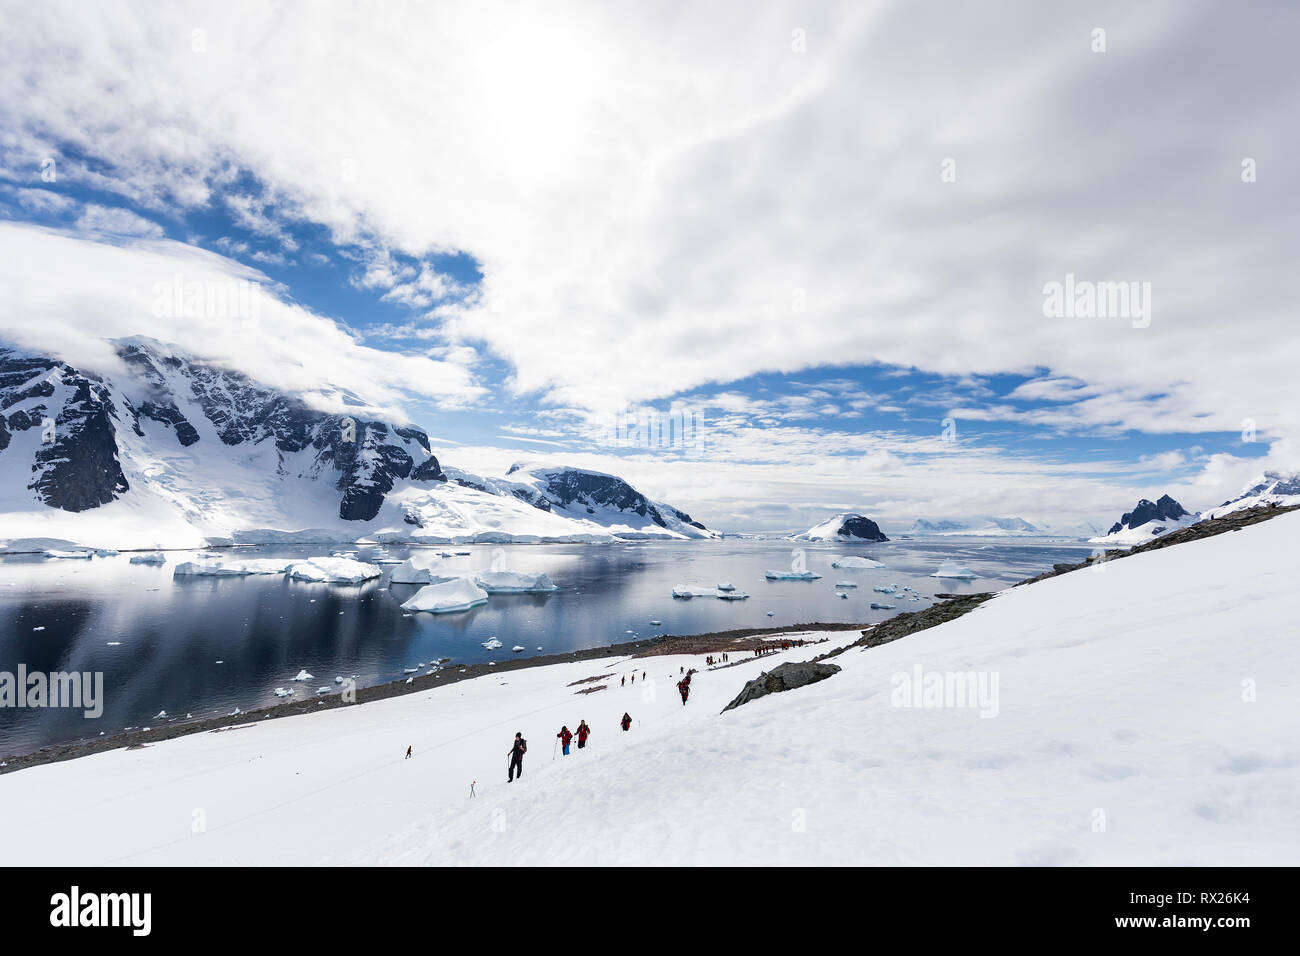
(282, 692)
(153, 557)
(418, 569)
(726, 586)
(690, 591)
(336, 570)
(856, 562)
(875, 606)
(733, 595)
(513, 582)
(303, 675)
(491, 644)
(846, 584)
(445, 597)
(951, 569)
(791, 575)
(219, 567)
(885, 588)
(517, 648)
(52, 553)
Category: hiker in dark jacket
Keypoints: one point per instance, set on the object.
(626, 722)
(583, 733)
(565, 736)
(517, 752)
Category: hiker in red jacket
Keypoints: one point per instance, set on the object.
(626, 722)
(565, 736)
(583, 733)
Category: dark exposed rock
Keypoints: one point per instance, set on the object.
(859, 526)
(1163, 509)
(784, 677)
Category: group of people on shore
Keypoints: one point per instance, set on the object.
(716, 659)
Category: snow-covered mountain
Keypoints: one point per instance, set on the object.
(176, 452)
(977, 526)
(1270, 488)
(1146, 521)
(843, 527)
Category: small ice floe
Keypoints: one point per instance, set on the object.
(517, 648)
(733, 595)
(236, 712)
(312, 601)
(856, 561)
(492, 644)
(53, 553)
(875, 606)
(406, 615)
(410, 670)
(447, 597)
(951, 569)
(506, 581)
(884, 588)
(283, 692)
(153, 557)
(843, 595)
(492, 663)
(114, 643)
(160, 715)
(409, 679)
(322, 690)
(726, 586)
(846, 584)
(107, 552)
(303, 675)
(539, 648)
(791, 575)
(771, 613)
(220, 662)
(656, 623)
(40, 628)
(629, 632)
(338, 680)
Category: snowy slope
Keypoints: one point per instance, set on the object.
(1120, 701)
(1270, 488)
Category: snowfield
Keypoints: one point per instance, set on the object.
(1139, 713)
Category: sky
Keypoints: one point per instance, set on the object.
(767, 261)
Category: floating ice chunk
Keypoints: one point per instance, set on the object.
(843, 595)
(726, 586)
(732, 595)
(338, 680)
(492, 644)
(322, 690)
(506, 581)
(951, 569)
(152, 557)
(303, 675)
(517, 648)
(856, 561)
(875, 606)
(885, 588)
(160, 715)
(114, 643)
(656, 623)
(791, 575)
(445, 597)
(690, 591)
(107, 552)
(410, 670)
(335, 570)
(771, 613)
(52, 553)
(39, 628)
(418, 569)
(283, 692)
(846, 584)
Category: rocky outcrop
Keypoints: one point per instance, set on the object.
(1163, 509)
(782, 678)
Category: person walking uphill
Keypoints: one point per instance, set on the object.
(626, 722)
(583, 733)
(565, 736)
(517, 758)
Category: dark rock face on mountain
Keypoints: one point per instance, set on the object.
(1164, 509)
(570, 488)
(78, 463)
(782, 678)
(857, 526)
(74, 465)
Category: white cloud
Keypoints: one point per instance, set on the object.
(116, 222)
(66, 294)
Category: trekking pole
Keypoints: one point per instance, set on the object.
(554, 747)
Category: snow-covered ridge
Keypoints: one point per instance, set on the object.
(178, 453)
(1146, 521)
